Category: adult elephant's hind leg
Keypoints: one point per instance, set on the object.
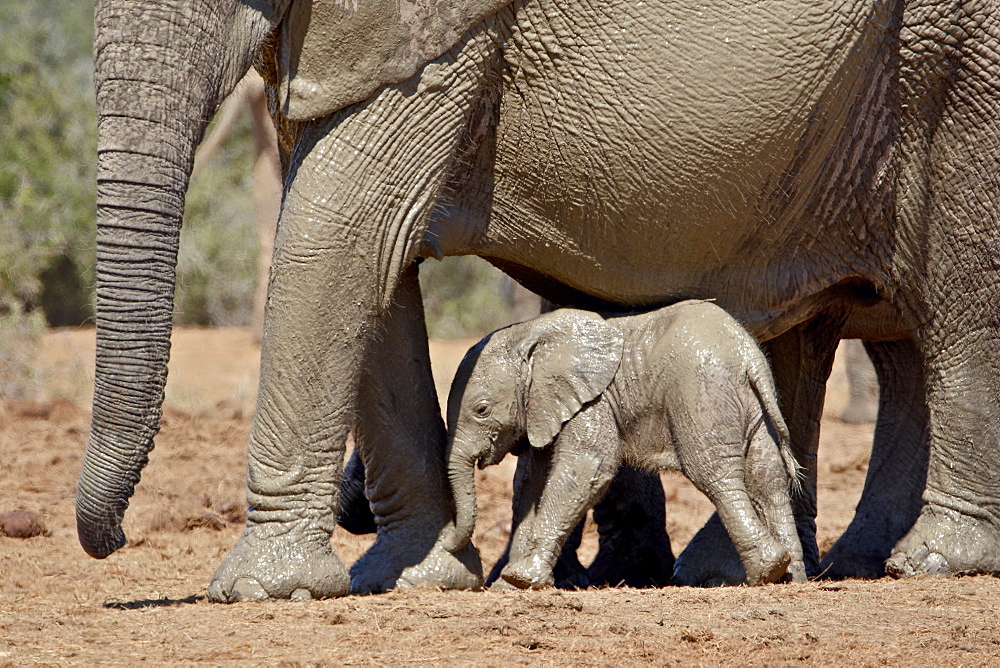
(948, 205)
(897, 470)
(401, 438)
(958, 529)
(949, 277)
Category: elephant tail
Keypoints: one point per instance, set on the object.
(763, 385)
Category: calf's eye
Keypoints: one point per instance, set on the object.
(482, 409)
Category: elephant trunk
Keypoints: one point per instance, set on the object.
(462, 476)
(157, 82)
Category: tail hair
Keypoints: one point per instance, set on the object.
(766, 394)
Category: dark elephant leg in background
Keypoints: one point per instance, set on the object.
(355, 513)
(897, 472)
(634, 546)
(801, 360)
(568, 572)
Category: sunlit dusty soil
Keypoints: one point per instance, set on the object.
(146, 603)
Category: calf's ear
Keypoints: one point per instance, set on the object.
(334, 53)
(573, 357)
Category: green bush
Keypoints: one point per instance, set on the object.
(47, 149)
(217, 263)
(47, 185)
(465, 296)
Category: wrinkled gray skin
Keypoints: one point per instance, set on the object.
(823, 171)
(633, 545)
(682, 388)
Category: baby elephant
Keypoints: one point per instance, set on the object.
(681, 388)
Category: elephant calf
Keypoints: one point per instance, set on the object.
(682, 388)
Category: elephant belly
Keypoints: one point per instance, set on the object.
(658, 151)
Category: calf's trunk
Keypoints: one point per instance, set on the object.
(461, 475)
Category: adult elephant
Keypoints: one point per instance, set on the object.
(822, 171)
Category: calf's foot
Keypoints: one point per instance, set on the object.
(529, 573)
(766, 563)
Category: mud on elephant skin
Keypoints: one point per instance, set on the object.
(683, 388)
(633, 546)
(600, 164)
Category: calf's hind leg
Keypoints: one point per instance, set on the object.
(801, 360)
(711, 439)
(764, 559)
(768, 482)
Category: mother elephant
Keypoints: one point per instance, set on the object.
(822, 170)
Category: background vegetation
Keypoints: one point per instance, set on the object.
(47, 193)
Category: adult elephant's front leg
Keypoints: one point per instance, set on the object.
(401, 438)
(362, 186)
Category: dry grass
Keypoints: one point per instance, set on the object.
(146, 603)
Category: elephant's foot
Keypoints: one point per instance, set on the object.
(568, 573)
(945, 542)
(845, 561)
(710, 559)
(529, 573)
(291, 560)
(796, 572)
(397, 563)
(501, 585)
(766, 563)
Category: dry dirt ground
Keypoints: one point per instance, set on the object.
(146, 603)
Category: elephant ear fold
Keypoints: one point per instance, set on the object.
(573, 357)
(334, 53)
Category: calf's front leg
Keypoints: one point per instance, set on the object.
(585, 458)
